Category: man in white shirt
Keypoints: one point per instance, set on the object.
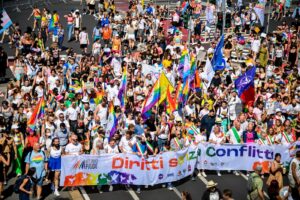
(73, 148)
(127, 142)
(234, 105)
(52, 79)
(72, 116)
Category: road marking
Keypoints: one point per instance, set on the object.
(132, 193)
(177, 192)
(84, 194)
(246, 178)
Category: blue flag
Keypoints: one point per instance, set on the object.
(245, 86)
(218, 62)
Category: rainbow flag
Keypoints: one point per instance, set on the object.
(197, 81)
(122, 91)
(177, 95)
(99, 97)
(76, 88)
(38, 113)
(157, 94)
(185, 92)
(171, 103)
(6, 21)
(186, 68)
(112, 121)
(151, 100)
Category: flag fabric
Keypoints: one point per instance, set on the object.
(164, 84)
(122, 90)
(99, 97)
(197, 81)
(185, 92)
(151, 100)
(177, 95)
(245, 86)
(51, 25)
(149, 146)
(6, 21)
(182, 61)
(38, 113)
(75, 87)
(209, 72)
(171, 103)
(185, 7)
(186, 68)
(157, 94)
(112, 121)
(139, 148)
(259, 9)
(218, 62)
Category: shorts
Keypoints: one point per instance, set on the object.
(39, 181)
(83, 46)
(91, 7)
(54, 164)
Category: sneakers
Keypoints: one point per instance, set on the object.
(247, 174)
(111, 188)
(170, 188)
(262, 176)
(138, 190)
(236, 173)
(56, 193)
(163, 185)
(219, 174)
(204, 174)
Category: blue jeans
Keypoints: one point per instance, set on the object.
(70, 31)
(60, 41)
(161, 143)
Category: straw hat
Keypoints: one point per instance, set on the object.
(211, 184)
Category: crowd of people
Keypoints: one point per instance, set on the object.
(74, 123)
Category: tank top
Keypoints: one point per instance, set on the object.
(17, 139)
(70, 20)
(291, 178)
(54, 153)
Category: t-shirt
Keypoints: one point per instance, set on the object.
(125, 144)
(83, 38)
(73, 149)
(37, 160)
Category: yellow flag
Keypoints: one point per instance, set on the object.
(164, 83)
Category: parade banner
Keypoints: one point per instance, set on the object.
(127, 168)
(242, 157)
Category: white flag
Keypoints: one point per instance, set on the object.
(209, 72)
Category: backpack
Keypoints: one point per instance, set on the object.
(250, 184)
(18, 183)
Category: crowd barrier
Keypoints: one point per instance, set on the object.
(169, 166)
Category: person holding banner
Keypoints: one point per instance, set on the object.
(217, 137)
(140, 149)
(177, 142)
(127, 142)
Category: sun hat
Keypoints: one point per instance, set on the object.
(211, 184)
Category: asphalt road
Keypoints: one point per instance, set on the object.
(237, 184)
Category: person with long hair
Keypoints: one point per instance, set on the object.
(273, 190)
(54, 163)
(25, 187)
(186, 196)
(4, 160)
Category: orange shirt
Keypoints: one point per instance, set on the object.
(106, 33)
(116, 44)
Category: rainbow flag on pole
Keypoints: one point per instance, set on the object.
(99, 97)
(171, 103)
(112, 121)
(6, 21)
(122, 91)
(37, 113)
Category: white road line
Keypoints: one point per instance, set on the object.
(132, 193)
(177, 192)
(84, 194)
(246, 178)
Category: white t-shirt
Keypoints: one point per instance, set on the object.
(73, 149)
(125, 144)
(232, 137)
(51, 81)
(83, 38)
(109, 149)
(72, 113)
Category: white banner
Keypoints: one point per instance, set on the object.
(127, 168)
(242, 157)
(169, 166)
